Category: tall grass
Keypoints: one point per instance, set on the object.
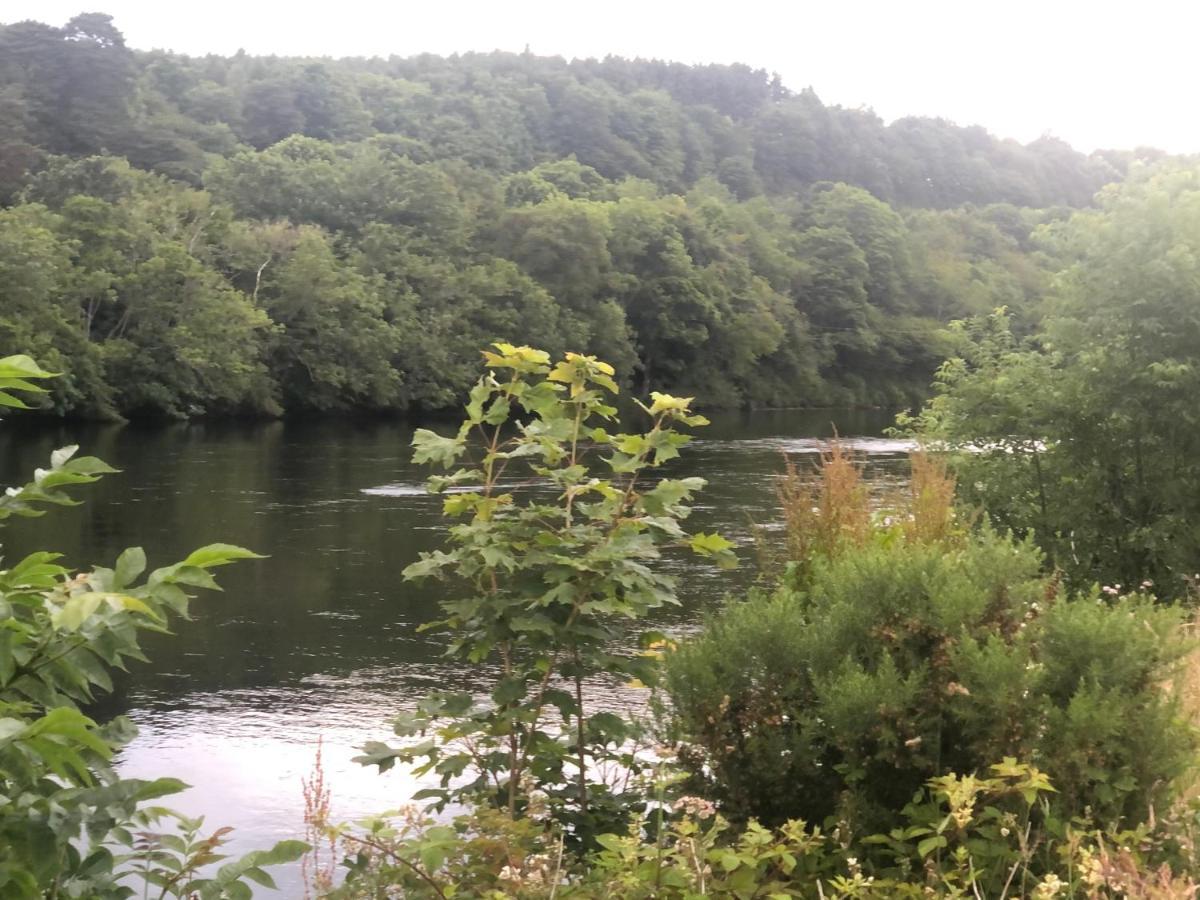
(828, 508)
(931, 515)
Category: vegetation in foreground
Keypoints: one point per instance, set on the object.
(911, 705)
(918, 708)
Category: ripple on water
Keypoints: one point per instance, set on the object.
(870, 446)
(397, 490)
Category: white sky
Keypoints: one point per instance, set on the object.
(1096, 73)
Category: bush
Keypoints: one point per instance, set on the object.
(902, 657)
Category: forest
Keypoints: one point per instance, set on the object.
(257, 236)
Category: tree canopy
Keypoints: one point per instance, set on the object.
(251, 235)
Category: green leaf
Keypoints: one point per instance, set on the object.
(497, 413)
(22, 366)
(715, 547)
(218, 555)
(75, 611)
(509, 690)
(930, 844)
(430, 447)
(130, 565)
(7, 399)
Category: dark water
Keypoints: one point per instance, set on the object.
(320, 640)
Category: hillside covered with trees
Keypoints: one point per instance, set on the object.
(250, 235)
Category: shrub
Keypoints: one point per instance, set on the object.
(910, 655)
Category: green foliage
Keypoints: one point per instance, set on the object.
(896, 660)
(295, 234)
(1085, 436)
(961, 836)
(69, 824)
(558, 525)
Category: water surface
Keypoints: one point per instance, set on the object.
(320, 640)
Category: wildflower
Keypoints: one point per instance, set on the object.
(1090, 869)
(1049, 887)
(697, 807)
(954, 688)
(962, 815)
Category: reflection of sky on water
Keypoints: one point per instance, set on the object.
(245, 754)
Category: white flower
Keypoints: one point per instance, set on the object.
(1050, 887)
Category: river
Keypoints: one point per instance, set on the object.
(320, 640)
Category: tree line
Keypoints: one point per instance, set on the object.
(245, 235)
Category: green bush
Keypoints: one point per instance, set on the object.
(899, 661)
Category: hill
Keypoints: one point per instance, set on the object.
(255, 235)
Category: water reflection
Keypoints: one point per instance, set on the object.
(320, 640)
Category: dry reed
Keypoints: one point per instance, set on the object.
(1186, 684)
(828, 508)
(930, 518)
(318, 864)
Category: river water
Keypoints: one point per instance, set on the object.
(320, 640)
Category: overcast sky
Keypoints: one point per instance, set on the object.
(1095, 73)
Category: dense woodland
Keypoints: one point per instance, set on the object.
(257, 235)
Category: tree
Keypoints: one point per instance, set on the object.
(544, 586)
(77, 81)
(1084, 436)
(333, 347)
(37, 278)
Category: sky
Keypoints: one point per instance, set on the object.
(1097, 73)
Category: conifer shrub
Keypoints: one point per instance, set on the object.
(918, 651)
